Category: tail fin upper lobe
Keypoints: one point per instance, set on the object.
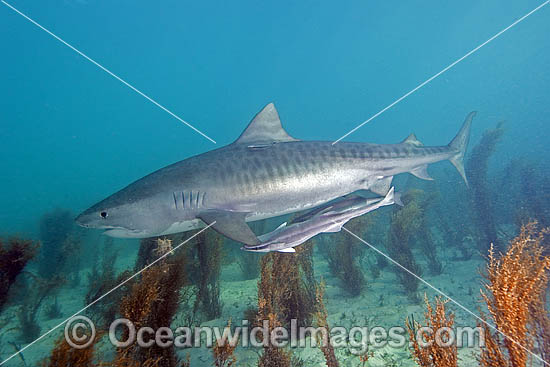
(459, 144)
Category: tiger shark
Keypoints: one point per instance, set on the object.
(264, 173)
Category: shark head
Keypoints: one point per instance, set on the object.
(133, 212)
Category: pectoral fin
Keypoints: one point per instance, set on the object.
(231, 225)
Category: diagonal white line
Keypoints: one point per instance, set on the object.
(110, 73)
(441, 72)
(106, 294)
(464, 308)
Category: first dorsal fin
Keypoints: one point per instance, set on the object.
(265, 128)
(411, 139)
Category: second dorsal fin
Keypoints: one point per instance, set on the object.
(265, 128)
(412, 140)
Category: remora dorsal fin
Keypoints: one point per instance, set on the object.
(265, 127)
(413, 140)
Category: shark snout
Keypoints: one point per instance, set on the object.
(90, 219)
(82, 220)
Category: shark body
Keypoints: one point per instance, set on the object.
(264, 173)
(328, 218)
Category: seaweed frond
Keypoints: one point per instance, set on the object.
(28, 310)
(482, 198)
(321, 316)
(14, 255)
(101, 279)
(343, 256)
(405, 222)
(64, 355)
(224, 349)
(515, 286)
(436, 352)
(153, 301)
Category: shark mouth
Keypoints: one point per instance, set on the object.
(120, 232)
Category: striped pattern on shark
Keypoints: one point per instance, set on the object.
(263, 174)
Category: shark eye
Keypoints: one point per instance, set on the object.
(103, 214)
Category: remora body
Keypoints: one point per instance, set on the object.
(264, 173)
(329, 218)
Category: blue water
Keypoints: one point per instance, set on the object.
(71, 134)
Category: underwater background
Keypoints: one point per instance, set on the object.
(72, 135)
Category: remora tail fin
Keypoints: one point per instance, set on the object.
(459, 145)
(389, 199)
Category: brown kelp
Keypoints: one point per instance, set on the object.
(454, 229)
(36, 291)
(203, 257)
(343, 252)
(287, 283)
(305, 264)
(14, 255)
(268, 309)
(376, 233)
(541, 324)
(153, 301)
(321, 316)
(481, 196)
(224, 351)
(71, 249)
(423, 236)
(514, 291)
(273, 356)
(64, 355)
(435, 353)
(101, 279)
(404, 224)
(249, 262)
(146, 253)
(450, 213)
(208, 251)
(284, 294)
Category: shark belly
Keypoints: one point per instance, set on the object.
(183, 226)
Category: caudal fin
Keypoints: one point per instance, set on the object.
(459, 145)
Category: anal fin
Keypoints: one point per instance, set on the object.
(231, 225)
(381, 186)
(422, 172)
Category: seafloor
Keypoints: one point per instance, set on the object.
(382, 303)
